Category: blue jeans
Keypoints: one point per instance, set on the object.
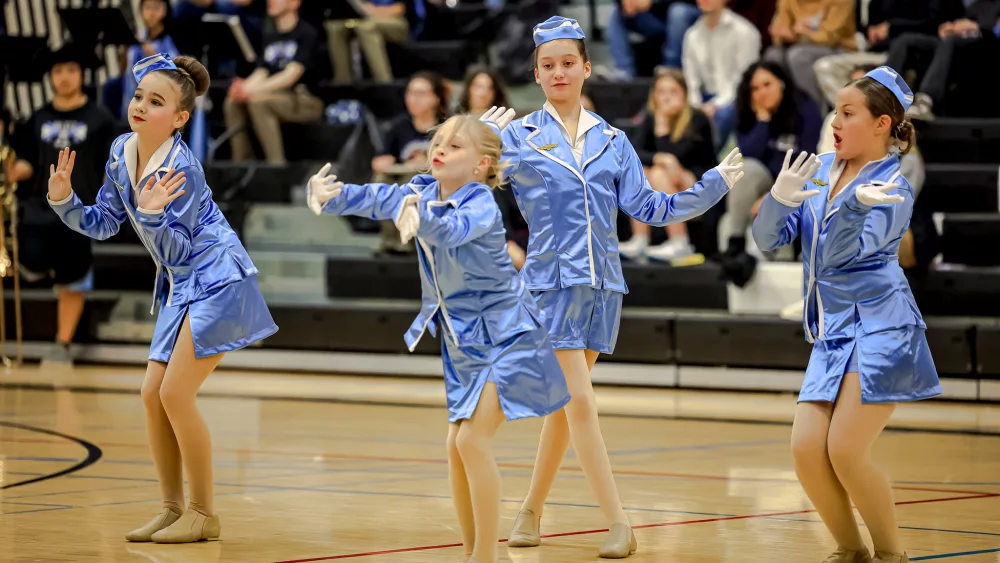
(724, 121)
(680, 17)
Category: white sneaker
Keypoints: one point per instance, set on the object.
(670, 251)
(633, 247)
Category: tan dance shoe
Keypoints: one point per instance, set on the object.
(527, 530)
(191, 527)
(620, 543)
(165, 518)
(849, 556)
(881, 557)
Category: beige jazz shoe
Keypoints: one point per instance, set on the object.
(849, 556)
(191, 527)
(881, 557)
(165, 518)
(526, 532)
(620, 543)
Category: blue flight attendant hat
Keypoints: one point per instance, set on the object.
(895, 83)
(557, 27)
(159, 61)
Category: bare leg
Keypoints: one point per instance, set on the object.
(70, 309)
(812, 465)
(184, 377)
(475, 440)
(460, 494)
(853, 430)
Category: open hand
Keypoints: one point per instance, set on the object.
(874, 194)
(787, 189)
(321, 189)
(156, 195)
(498, 118)
(731, 167)
(59, 175)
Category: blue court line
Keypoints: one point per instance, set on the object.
(862, 525)
(51, 459)
(38, 504)
(33, 510)
(955, 554)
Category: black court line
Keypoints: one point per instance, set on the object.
(94, 453)
(684, 418)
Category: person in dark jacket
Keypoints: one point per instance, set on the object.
(771, 118)
(959, 27)
(675, 145)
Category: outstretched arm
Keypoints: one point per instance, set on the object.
(99, 221)
(643, 203)
(867, 221)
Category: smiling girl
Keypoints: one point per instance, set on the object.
(499, 363)
(206, 285)
(571, 172)
(869, 349)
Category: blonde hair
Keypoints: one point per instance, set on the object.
(678, 123)
(485, 140)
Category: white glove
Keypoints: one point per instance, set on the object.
(321, 189)
(731, 168)
(874, 194)
(787, 189)
(498, 118)
(408, 220)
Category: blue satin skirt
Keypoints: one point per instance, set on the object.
(894, 366)
(581, 317)
(231, 317)
(529, 380)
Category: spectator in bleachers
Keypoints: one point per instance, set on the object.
(48, 248)
(386, 21)
(483, 89)
(980, 22)
(675, 145)
(717, 49)
(887, 20)
(772, 117)
(118, 91)
(653, 19)
(281, 89)
(407, 141)
(804, 31)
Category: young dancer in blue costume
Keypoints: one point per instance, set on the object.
(869, 349)
(571, 172)
(206, 284)
(499, 363)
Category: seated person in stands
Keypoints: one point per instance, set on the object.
(675, 146)
(717, 49)
(772, 116)
(385, 21)
(281, 89)
(119, 91)
(406, 144)
(804, 31)
(654, 20)
(483, 89)
(980, 21)
(48, 248)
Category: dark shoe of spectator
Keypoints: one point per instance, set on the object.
(922, 108)
(738, 267)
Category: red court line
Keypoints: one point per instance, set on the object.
(641, 526)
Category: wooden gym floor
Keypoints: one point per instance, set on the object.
(322, 468)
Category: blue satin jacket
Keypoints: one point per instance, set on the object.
(572, 210)
(194, 247)
(849, 251)
(466, 274)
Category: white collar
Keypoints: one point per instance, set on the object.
(131, 151)
(586, 123)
